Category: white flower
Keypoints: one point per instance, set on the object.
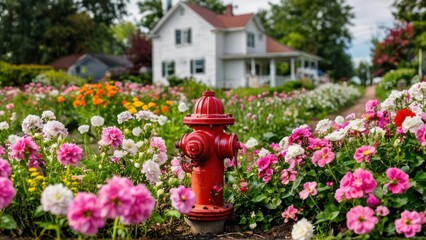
(251, 143)
(136, 131)
(160, 158)
(377, 131)
(357, 125)
(162, 120)
(56, 199)
(119, 154)
(54, 93)
(337, 135)
(124, 117)
(48, 115)
(4, 125)
(417, 91)
(252, 226)
(144, 115)
(284, 142)
(54, 129)
(182, 107)
(294, 151)
(97, 121)
(137, 165)
(32, 123)
(323, 126)
(152, 171)
(339, 120)
(2, 113)
(263, 152)
(83, 129)
(130, 146)
(412, 124)
(13, 138)
(140, 144)
(302, 230)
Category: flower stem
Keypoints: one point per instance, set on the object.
(114, 231)
(315, 203)
(332, 174)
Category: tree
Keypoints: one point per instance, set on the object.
(140, 51)
(214, 5)
(363, 72)
(319, 27)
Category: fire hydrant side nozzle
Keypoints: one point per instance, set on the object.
(207, 147)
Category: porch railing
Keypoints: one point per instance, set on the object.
(266, 80)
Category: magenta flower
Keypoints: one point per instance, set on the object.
(288, 176)
(361, 219)
(84, 214)
(421, 135)
(373, 201)
(182, 199)
(114, 197)
(142, 206)
(290, 212)
(399, 180)
(309, 188)
(382, 211)
(7, 192)
(322, 157)
(355, 185)
(69, 154)
(364, 180)
(409, 224)
(22, 147)
(364, 153)
(1, 151)
(5, 169)
(111, 136)
(371, 105)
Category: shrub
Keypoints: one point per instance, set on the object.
(59, 78)
(143, 78)
(391, 79)
(18, 75)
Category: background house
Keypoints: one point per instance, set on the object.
(94, 66)
(222, 50)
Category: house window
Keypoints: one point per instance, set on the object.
(197, 66)
(167, 68)
(183, 36)
(250, 40)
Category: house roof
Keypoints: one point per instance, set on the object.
(227, 20)
(273, 46)
(65, 62)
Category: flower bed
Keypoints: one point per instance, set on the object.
(99, 160)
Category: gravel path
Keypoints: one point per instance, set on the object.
(357, 107)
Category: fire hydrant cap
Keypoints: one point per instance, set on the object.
(209, 110)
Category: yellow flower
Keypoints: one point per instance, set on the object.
(34, 174)
(145, 107)
(138, 104)
(32, 169)
(29, 181)
(39, 178)
(135, 99)
(168, 102)
(132, 110)
(152, 104)
(31, 189)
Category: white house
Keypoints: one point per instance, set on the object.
(222, 51)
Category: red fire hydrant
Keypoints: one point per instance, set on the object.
(207, 147)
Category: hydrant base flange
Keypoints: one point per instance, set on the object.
(211, 213)
(199, 227)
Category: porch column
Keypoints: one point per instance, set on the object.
(292, 70)
(303, 63)
(316, 65)
(253, 67)
(272, 72)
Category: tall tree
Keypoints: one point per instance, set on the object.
(152, 10)
(319, 27)
(140, 51)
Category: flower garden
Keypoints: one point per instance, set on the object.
(99, 160)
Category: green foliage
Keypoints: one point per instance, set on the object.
(59, 78)
(142, 78)
(269, 91)
(390, 81)
(18, 75)
(214, 5)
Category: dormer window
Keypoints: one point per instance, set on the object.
(183, 36)
(250, 40)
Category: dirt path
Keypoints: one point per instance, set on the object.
(357, 107)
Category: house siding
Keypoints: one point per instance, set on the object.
(235, 42)
(260, 42)
(234, 74)
(202, 46)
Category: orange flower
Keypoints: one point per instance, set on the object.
(97, 100)
(60, 99)
(168, 102)
(164, 108)
(145, 107)
(100, 92)
(152, 104)
(156, 111)
(79, 101)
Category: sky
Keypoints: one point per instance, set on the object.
(371, 17)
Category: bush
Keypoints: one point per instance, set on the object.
(390, 81)
(59, 78)
(143, 78)
(18, 75)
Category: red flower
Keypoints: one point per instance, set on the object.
(401, 115)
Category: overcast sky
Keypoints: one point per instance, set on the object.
(370, 18)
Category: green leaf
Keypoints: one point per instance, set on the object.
(173, 213)
(420, 176)
(157, 218)
(38, 211)
(399, 202)
(258, 198)
(326, 216)
(7, 222)
(243, 220)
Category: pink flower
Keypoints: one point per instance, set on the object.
(1, 150)
(10, 106)
(182, 199)
(111, 136)
(158, 143)
(409, 224)
(364, 180)
(290, 212)
(288, 176)
(382, 211)
(22, 147)
(309, 188)
(361, 219)
(114, 197)
(364, 153)
(7, 192)
(5, 169)
(142, 206)
(399, 180)
(355, 185)
(69, 154)
(84, 214)
(322, 157)
(371, 105)
(421, 135)
(372, 200)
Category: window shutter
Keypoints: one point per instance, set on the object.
(189, 35)
(173, 68)
(163, 69)
(192, 66)
(178, 36)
